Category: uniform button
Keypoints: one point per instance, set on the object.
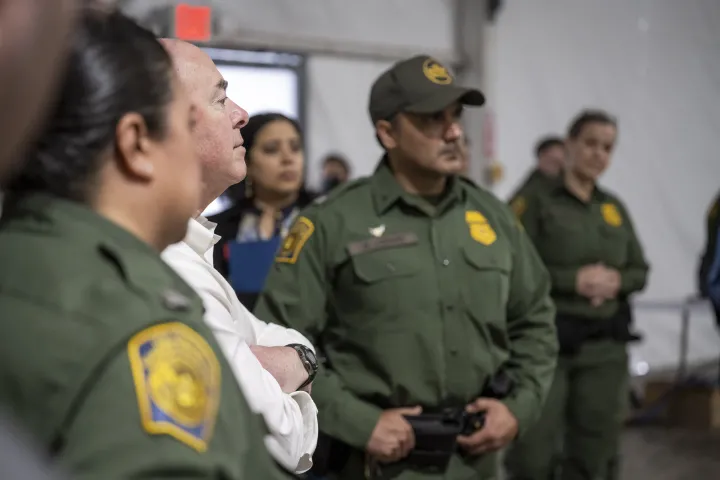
(449, 308)
(446, 262)
(454, 352)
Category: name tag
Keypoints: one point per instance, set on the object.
(381, 243)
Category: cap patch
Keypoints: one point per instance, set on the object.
(436, 73)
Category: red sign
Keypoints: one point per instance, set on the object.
(193, 23)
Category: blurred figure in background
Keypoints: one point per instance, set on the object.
(550, 154)
(335, 171)
(712, 224)
(586, 239)
(124, 379)
(265, 204)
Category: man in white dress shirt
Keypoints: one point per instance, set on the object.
(273, 377)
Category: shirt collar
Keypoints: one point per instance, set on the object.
(386, 189)
(201, 235)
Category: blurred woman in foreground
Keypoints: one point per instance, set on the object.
(104, 355)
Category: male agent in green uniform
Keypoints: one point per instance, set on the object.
(585, 236)
(550, 154)
(418, 287)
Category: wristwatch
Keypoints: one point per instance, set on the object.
(309, 361)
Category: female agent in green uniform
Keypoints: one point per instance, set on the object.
(104, 355)
(586, 239)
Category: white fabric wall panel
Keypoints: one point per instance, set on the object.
(381, 24)
(337, 113)
(656, 65)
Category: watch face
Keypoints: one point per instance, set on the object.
(311, 357)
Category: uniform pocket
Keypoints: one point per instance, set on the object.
(379, 291)
(486, 293)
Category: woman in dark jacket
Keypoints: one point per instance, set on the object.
(264, 205)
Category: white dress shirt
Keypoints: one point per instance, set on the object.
(291, 418)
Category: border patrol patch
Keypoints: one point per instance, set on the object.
(518, 206)
(299, 233)
(611, 215)
(436, 73)
(177, 382)
(480, 229)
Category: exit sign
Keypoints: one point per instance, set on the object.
(193, 23)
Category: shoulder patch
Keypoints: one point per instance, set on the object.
(480, 229)
(518, 205)
(177, 382)
(611, 214)
(299, 233)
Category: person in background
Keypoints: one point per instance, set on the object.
(420, 289)
(586, 238)
(111, 367)
(270, 362)
(335, 171)
(265, 204)
(550, 154)
(712, 225)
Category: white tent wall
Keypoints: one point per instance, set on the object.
(656, 65)
(337, 113)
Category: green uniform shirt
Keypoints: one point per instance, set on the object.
(570, 234)
(413, 302)
(105, 358)
(536, 182)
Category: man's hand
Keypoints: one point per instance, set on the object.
(500, 428)
(284, 364)
(393, 437)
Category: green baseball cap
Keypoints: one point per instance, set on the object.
(419, 84)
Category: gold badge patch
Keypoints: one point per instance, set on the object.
(480, 229)
(299, 233)
(518, 206)
(436, 73)
(177, 382)
(611, 215)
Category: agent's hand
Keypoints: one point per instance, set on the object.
(609, 286)
(589, 279)
(393, 437)
(500, 428)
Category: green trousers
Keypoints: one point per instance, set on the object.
(578, 434)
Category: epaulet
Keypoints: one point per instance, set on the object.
(340, 191)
